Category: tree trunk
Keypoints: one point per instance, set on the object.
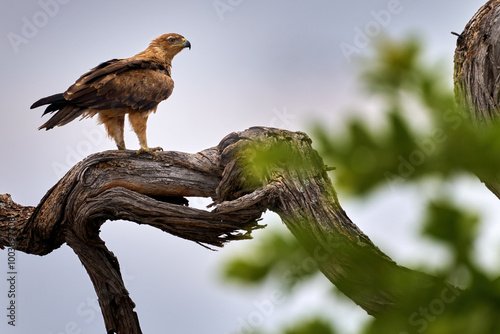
(477, 72)
(246, 174)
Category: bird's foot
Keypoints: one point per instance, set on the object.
(149, 150)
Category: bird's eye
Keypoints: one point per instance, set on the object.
(171, 40)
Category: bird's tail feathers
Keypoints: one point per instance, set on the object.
(63, 116)
(54, 101)
(66, 112)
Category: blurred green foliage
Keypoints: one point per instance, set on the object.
(277, 255)
(422, 134)
(400, 151)
(314, 326)
(308, 326)
(454, 227)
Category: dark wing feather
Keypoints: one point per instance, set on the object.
(136, 84)
(117, 83)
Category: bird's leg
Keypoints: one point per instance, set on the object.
(138, 120)
(114, 127)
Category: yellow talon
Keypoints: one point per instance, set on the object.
(150, 151)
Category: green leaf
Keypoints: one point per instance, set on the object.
(452, 225)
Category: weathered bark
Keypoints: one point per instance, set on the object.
(246, 174)
(477, 60)
(120, 185)
(477, 72)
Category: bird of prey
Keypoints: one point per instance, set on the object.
(133, 86)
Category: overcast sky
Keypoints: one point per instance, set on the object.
(269, 63)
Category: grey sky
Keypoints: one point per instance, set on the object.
(271, 63)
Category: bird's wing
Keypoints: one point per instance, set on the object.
(122, 83)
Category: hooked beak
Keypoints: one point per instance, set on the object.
(186, 44)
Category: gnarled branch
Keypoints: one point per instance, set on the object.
(246, 174)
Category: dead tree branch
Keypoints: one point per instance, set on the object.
(246, 174)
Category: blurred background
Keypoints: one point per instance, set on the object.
(369, 81)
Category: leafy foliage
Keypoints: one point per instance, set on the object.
(447, 145)
(277, 256)
(454, 227)
(314, 326)
(424, 134)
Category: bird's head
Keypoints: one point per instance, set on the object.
(169, 45)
